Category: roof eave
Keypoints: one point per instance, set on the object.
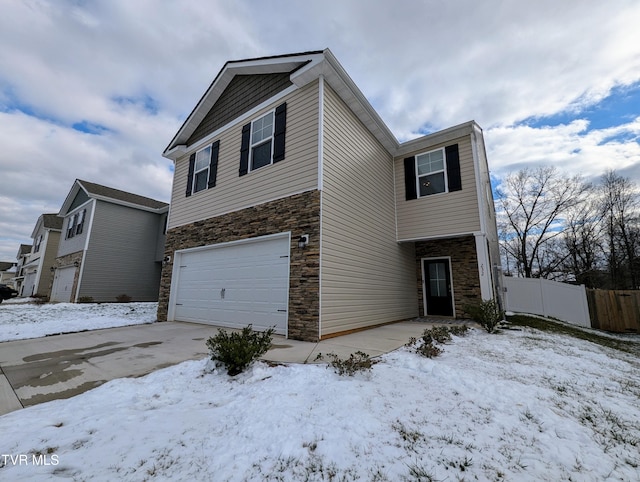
(439, 137)
(264, 65)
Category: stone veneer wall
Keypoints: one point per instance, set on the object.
(65, 261)
(464, 269)
(299, 214)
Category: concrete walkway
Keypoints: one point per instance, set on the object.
(54, 367)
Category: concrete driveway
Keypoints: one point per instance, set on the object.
(54, 367)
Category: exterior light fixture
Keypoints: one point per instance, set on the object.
(303, 241)
(76, 263)
(53, 269)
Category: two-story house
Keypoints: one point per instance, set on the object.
(112, 244)
(21, 260)
(37, 267)
(294, 206)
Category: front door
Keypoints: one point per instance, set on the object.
(437, 287)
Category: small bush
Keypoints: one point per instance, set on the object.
(123, 298)
(85, 299)
(459, 330)
(236, 351)
(428, 350)
(357, 362)
(439, 334)
(425, 345)
(487, 313)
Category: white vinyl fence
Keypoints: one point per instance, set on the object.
(547, 298)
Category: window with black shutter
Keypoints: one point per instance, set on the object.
(432, 172)
(263, 140)
(203, 169)
(80, 226)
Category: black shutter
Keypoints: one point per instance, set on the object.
(410, 178)
(278, 133)
(453, 168)
(192, 164)
(244, 149)
(213, 164)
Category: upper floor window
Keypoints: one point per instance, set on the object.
(80, 223)
(36, 246)
(201, 169)
(430, 169)
(261, 141)
(71, 226)
(75, 224)
(432, 172)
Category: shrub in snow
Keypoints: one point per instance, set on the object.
(357, 362)
(236, 351)
(85, 299)
(487, 313)
(426, 344)
(458, 330)
(123, 298)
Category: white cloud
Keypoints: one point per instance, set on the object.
(138, 68)
(570, 147)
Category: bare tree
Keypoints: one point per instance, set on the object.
(531, 203)
(620, 207)
(583, 241)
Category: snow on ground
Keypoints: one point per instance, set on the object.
(21, 318)
(518, 406)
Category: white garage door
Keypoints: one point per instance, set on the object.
(234, 284)
(62, 284)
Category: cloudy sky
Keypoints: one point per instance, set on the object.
(96, 89)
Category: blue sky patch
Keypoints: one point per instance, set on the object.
(620, 106)
(145, 101)
(90, 128)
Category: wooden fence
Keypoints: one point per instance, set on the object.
(617, 311)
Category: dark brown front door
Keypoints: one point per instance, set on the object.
(437, 287)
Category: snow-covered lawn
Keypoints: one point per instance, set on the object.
(22, 318)
(520, 406)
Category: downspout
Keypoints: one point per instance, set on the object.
(320, 190)
(482, 250)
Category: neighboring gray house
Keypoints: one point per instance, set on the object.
(37, 266)
(112, 244)
(294, 206)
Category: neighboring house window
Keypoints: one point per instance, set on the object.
(432, 172)
(203, 169)
(36, 247)
(263, 140)
(71, 226)
(81, 215)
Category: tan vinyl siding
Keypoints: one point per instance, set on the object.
(50, 252)
(367, 278)
(298, 172)
(439, 214)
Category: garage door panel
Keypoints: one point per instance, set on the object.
(235, 285)
(63, 284)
